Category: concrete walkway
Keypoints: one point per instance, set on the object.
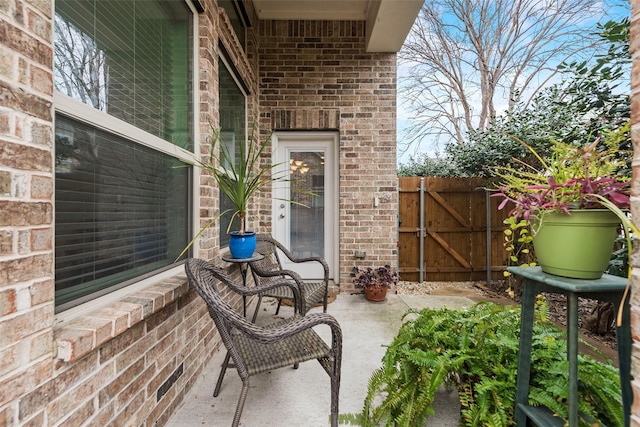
(290, 397)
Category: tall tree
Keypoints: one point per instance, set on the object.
(467, 58)
(591, 99)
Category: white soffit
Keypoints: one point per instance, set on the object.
(388, 21)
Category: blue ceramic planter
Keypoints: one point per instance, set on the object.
(242, 245)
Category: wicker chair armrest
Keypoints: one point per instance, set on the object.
(291, 256)
(275, 273)
(297, 260)
(294, 259)
(324, 264)
(264, 287)
(289, 328)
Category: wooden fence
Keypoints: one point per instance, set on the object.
(460, 237)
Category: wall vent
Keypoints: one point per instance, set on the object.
(164, 388)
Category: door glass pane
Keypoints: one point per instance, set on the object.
(306, 219)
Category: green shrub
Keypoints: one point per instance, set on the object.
(476, 351)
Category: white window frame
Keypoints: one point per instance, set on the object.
(102, 120)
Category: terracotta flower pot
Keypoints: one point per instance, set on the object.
(375, 293)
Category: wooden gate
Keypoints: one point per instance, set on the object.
(462, 232)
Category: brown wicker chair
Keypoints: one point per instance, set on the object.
(269, 269)
(255, 349)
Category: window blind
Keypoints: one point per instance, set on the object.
(122, 207)
(233, 119)
(129, 59)
(121, 210)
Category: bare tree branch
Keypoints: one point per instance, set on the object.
(467, 59)
(80, 66)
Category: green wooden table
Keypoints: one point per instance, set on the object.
(608, 288)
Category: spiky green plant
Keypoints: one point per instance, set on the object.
(240, 176)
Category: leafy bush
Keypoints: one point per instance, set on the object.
(423, 165)
(477, 351)
(375, 277)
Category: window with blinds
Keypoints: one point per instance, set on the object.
(122, 206)
(130, 59)
(233, 121)
(238, 17)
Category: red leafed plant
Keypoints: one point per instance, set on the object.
(573, 178)
(375, 277)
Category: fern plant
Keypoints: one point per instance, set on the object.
(476, 351)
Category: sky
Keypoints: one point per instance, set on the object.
(430, 147)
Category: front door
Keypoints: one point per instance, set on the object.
(308, 226)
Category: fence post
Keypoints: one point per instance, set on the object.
(421, 266)
(488, 238)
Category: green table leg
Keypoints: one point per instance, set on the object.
(524, 351)
(623, 337)
(572, 356)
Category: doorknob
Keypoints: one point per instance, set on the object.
(281, 215)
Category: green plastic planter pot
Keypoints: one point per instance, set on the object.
(579, 245)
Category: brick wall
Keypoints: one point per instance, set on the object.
(130, 362)
(316, 75)
(26, 202)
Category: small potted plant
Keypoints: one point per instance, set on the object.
(374, 281)
(240, 176)
(580, 189)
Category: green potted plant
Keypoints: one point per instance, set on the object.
(475, 351)
(374, 281)
(239, 176)
(572, 202)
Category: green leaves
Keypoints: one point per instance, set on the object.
(591, 98)
(240, 176)
(477, 351)
(519, 246)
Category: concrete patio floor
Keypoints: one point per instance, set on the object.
(301, 397)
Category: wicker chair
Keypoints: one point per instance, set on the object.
(255, 349)
(269, 269)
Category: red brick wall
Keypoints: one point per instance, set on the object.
(26, 203)
(316, 75)
(106, 367)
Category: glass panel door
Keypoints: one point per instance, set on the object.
(307, 224)
(306, 221)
